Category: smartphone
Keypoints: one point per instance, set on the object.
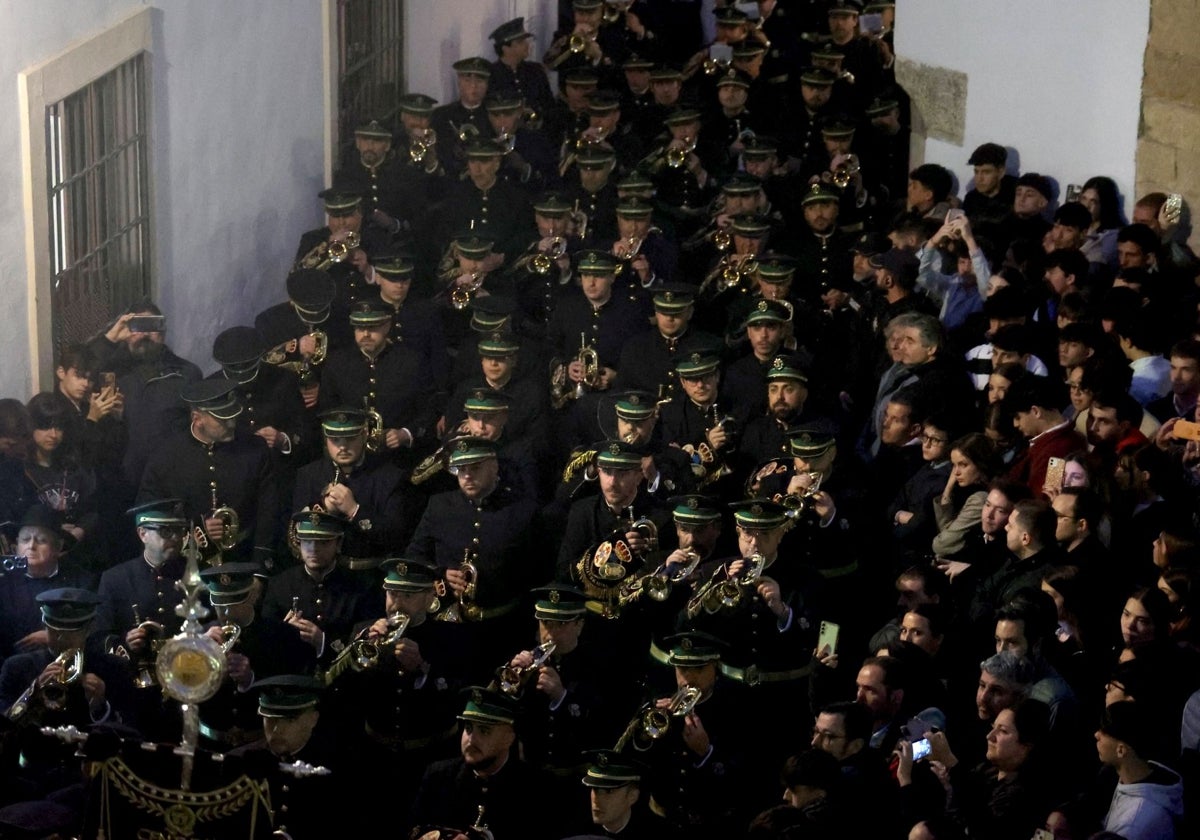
(1074, 191)
(1186, 430)
(1042, 834)
(870, 24)
(828, 637)
(147, 323)
(1054, 473)
(921, 749)
(108, 379)
(720, 52)
(955, 213)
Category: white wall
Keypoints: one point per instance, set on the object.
(1058, 81)
(440, 32)
(237, 132)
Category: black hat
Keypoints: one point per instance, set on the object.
(490, 312)
(741, 183)
(636, 62)
(619, 455)
(343, 422)
(513, 30)
(699, 363)
(471, 245)
(486, 706)
(901, 262)
(881, 105)
(369, 313)
(596, 156)
(217, 397)
(787, 367)
(694, 509)
(395, 269)
(498, 345)
(552, 205)
(405, 575)
(871, 244)
(634, 406)
(39, 515)
(819, 192)
(229, 583)
(473, 66)
(759, 514)
(501, 102)
(483, 147)
(373, 128)
(472, 450)
(157, 513)
(340, 202)
(837, 127)
(845, 7)
(817, 77)
(68, 608)
(603, 101)
(682, 116)
(287, 696)
(674, 297)
(558, 602)
(609, 770)
(1038, 182)
(988, 154)
(238, 346)
(734, 78)
(416, 103)
(767, 310)
(633, 207)
(311, 290)
(582, 76)
(693, 649)
(597, 262)
(730, 16)
(774, 267)
(486, 401)
(759, 147)
(811, 440)
(318, 525)
(666, 73)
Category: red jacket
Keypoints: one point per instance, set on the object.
(1030, 468)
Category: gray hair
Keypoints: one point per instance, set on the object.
(928, 327)
(1010, 667)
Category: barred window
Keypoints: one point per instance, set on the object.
(97, 171)
(370, 64)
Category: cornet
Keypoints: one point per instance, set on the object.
(465, 132)
(657, 585)
(614, 11)
(363, 653)
(723, 590)
(460, 296)
(844, 173)
(464, 608)
(513, 680)
(375, 431)
(590, 360)
(422, 141)
(507, 142)
(651, 723)
(543, 261)
(713, 66)
(230, 522)
(677, 155)
(54, 693)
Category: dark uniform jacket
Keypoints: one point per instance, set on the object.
(386, 514)
(137, 584)
(592, 520)
(393, 383)
(499, 533)
(19, 672)
(337, 603)
(350, 285)
(301, 806)
(393, 187)
(447, 120)
(527, 81)
(272, 399)
(500, 214)
(280, 324)
(648, 359)
(416, 324)
(600, 207)
(184, 468)
(451, 795)
(606, 328)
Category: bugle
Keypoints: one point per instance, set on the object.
(513, 680)
(651, 723)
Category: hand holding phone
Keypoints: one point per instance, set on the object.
(827, 640)
(146, 323)
(921, 749)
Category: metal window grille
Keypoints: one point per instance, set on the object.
(370, 64)
(97, 151)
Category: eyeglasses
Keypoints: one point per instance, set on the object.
(934, 441)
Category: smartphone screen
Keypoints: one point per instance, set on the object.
(146, 323)
(870, 24)
(1186, 430)
(921, 749)
(828, 637)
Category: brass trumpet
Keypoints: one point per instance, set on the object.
(363, 653)
(339, 249)
(577, 43)
(420, 144)
(507, 141)
(54, 693)
(657, 585)
(146, 676)
(651, 723)
(230, 522)
(614, 11)
(375, 432)
(465, 132)
(464, 607)
(230, 633)
(460, 296)
(713, 66)
(513, 681)
(590, 359)
(544, 261)
(845, 172)
(722, 239)
(723, 590)
(677, 155)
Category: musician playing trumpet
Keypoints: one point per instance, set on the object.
(649, 257)
(341, 247)
(263, 648)
(565, 699)
(457, 122)
(364, 488)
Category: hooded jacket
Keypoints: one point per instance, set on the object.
(1149, 809)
